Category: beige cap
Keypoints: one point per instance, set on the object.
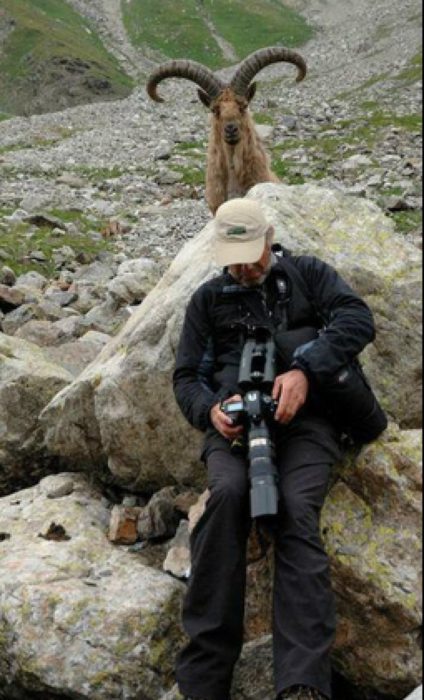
(240, 228)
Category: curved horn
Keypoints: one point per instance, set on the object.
(191, 70)
(264, 57)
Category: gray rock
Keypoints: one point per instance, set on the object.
(27, 383)
(355, 162)
(7, 276)
(51, 592)
(42, 333)
(134, 281)
(61, 298)
(74, 356)
(18, 215)
(10, 298)
(289, 122)
(20, 316)
(95, 273)
(160, 517)
(339, 229)
(168, 177)
(38, 256)
(32, 279)
(57, 485)
(71, 180)
(107, 317)
(178, 560)
(265, 131)
(417, 694)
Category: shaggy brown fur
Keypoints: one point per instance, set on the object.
(232, 169)
(236, 157)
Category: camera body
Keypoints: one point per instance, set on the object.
(255, 411)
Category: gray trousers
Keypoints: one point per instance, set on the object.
(303, 604)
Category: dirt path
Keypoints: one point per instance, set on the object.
(106, 15)
(226, 48)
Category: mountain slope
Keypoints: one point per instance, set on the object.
(214, 32)
(50, 58)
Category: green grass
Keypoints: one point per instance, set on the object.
(413, 72)
(191, 175)
(407, 221)
(38, 142)
(173, 27)
(46, 30)
(324, 150)
(249, 25)
(187, 146)
(284, 169)
(96, 174)
(19, 240)
(177, 29)
(263, 118)
(346, 94)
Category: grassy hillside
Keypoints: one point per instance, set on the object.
(51, 58)
(177, 28)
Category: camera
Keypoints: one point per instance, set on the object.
(255, 411)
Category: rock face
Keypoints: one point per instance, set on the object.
(121, 408)
(78, 616)
(371, 526)
(372, 529)
(28, 380)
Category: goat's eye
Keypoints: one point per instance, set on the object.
(216, 111)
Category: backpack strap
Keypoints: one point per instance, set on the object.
(283, 255)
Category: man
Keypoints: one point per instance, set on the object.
(327, 326)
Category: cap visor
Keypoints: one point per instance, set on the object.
(239, 252)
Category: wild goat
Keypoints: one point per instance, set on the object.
(236, 157)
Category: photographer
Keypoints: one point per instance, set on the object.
(319, 325)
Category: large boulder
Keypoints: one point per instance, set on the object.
(78, 616)
(28, 381)
(372, 529)
(371, 526)
(121, 410)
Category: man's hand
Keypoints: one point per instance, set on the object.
(290, 390)
(223, 423)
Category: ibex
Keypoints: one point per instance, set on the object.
(236, 157)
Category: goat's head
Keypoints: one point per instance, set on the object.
(227, 101)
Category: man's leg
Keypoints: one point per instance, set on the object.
(304, 614)
(214, 605)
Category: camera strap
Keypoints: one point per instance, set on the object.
(282, 302)
(263, 533)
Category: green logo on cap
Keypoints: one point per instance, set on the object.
(236, 231)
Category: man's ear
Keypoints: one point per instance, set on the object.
(204, 98)
(270, 235)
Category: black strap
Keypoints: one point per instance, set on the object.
(284, 256)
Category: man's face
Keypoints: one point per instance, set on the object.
(252, 274)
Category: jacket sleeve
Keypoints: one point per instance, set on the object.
(192, 393)
(348, 324)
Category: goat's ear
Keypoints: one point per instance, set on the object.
(204, 98)
(251, 91)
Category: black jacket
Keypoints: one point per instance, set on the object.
(317, 299)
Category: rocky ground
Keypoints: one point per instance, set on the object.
(96, 201)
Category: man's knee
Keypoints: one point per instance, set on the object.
(227, 479)
(229, 489)
(299, 510)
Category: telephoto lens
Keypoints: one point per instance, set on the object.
(263, 475)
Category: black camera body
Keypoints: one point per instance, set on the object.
(255, 411)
